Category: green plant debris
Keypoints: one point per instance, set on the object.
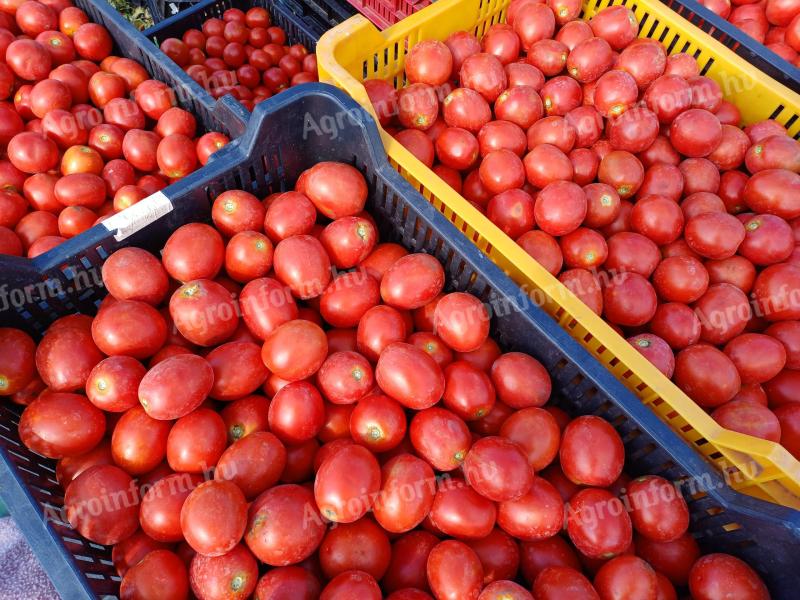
(139, 16)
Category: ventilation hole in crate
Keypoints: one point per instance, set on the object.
(777, 112)
(707, 66)
(700, 441)
(642, 387)
(614, 362)
(577, 380)
(715, 455)
(790, 121)
(715, 510)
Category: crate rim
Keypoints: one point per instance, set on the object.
(22, 503)
(727, 442)
(790, 72)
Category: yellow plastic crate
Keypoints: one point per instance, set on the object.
(355, 50)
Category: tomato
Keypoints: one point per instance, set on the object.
(296, 413)
(461, 45)
(130, 328)
(208, 144)
(29, 59)
(32, 152)
(245, 416)
(293, 582)
(560, 207)
(412, 281)
(615, 24)
(347, 483)
(615, 93)
(626, 577)
(556, 582)
(361, 545)
(135, 274)
(499, 555)
(749, 417)
(656, 350)
(61, 424)
(302, 264)
(184, 454)
(757, 357)
(715, 574)
(378, 422)
(161, 505)
(773, 152)
(383, 98)
(483, 73)
(175, 156)
(406, 495)
(348, 241)
(176, 386)
(501, 41)
(352, 584)
(17, 368)
(782, 388)
(65, 357)
(788, 333)
(117, 516)
(707, 375)
(789, 419)
(597, 523)
(772, 292)
(714, 235)
(629, 300)
(440, 437)
(458, 510)
(429, 62)
(139, 442)
(233, 575)
(154, 97)
(238, 370)
(295, 350)
(454, 571)
(203, 312)
(132, 550)
(409, 375)
(214, 517)
(159, 574)
(680, 279)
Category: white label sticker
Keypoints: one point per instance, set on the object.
(134, 218)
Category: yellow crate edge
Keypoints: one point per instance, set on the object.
(731, 445)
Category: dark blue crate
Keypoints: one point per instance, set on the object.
(315, 123)
(738, 41)
(303, 20)
(131, 43)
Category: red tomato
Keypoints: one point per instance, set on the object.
(469, 392)
(626, 577)
(176, 386)
(715, 574)
(536, 515)
(407, 493)
(440, 437)
(707, 375)
(233, 575)
(301, 263)
(410, 376)
(380, 327)
(161, 505)
(598, 524)
(297, 412)
(203, 312)
(116, 517)
(293, 582)
(555, 582)
(361, 545)
(266, 304)
(214, 517)
(65, 358)
(295, 350)
(183, 452)
(461, 321)
(497, 469)
(454, 570)
(327, 183)
(346, 484)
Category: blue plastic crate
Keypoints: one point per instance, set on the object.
(315, 123)
(737, 40)
(131, 43)
(303, 20)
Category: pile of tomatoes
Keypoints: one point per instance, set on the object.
(360, 434)
(83, 133)
(624, 173)
(775, 23)
(242, 54)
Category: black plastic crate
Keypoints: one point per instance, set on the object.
(303, 20)
(737, 40)
(284, 138)
(131, 43)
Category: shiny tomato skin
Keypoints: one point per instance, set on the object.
(295, 350)
(115, 521)
(65, 358)
(17, 365)
(348, 297)
(591, 452)
(555, 582)
(345, 377)
(410, 376)
(707, 375)
(540, 447)
(392, 509)
(469, 392)
(536, 515)
(238, 370)
(663, 520)
(361, 545)
(61, 424)
(499, 555)
(603, 534)
(291, 582)
(301, 263)
(327, 183)
(254, 463)
(129, 328)
(184, 455)
(772, 292)
(139, 442)
(497, 469)
(757, 357)
(193, 251)
(380, 327)
(214, 517)
(749, 417)
(454, 571)
(176, 386)
(459, 511)
(788, 333)
(721, 575)
(378, 423)
(296, 413)
(626, 577)
(554, 551)
(520, 380)
(440, 437)
(160, 509)
(204, 312)
(412, 281)
(266, 304)
(346, 484)
(461, 321)
(232, 576)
